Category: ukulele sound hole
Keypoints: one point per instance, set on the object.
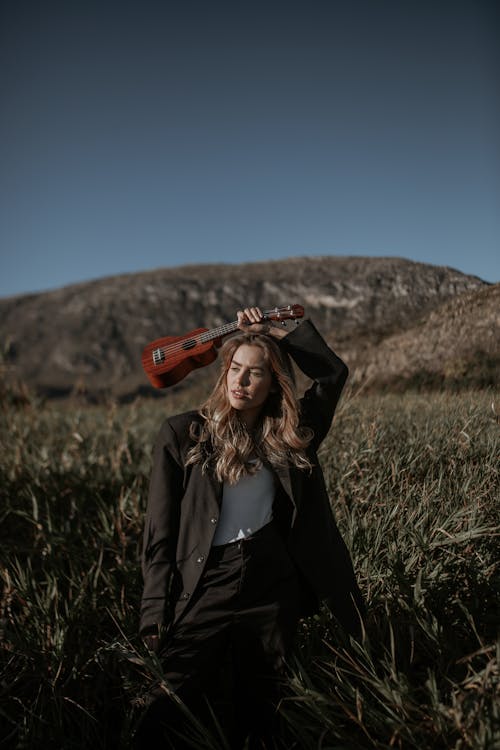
(188, 344)
(158, 356)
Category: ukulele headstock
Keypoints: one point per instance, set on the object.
(289, 312)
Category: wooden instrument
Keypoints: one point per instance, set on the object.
(168, 360)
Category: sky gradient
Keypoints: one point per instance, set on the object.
(135, 135)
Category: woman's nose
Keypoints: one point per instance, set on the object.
(242, 377)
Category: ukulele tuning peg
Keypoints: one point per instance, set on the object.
(297, 322)
(283, 323)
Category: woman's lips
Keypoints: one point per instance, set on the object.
(239, 394)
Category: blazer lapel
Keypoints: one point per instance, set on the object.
(210, 488)
(286, 480)
(216, 488)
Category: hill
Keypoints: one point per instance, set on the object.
(456, 345)
(377, 312)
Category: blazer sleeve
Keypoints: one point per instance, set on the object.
(161, 531)
(314, 357)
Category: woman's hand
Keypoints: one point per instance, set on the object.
(250, 321)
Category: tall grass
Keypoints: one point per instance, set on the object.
(414, 484)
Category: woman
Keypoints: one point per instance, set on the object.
(239, 539)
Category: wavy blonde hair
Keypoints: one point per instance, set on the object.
(224, 443)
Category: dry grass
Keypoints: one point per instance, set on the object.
(414, 484)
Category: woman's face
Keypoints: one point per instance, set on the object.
(249, 381)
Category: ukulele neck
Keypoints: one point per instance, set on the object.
(217, 333)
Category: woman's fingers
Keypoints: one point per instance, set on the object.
(252, 314)
(249, 318)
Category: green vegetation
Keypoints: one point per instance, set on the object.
(414, 483)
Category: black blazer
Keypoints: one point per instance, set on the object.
(184, 506)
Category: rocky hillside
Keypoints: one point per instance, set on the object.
(385, 316)
(455, 345)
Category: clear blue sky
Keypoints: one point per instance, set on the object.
(147, 133)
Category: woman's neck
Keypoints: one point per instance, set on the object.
(250, 418)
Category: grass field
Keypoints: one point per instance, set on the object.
(414, 485)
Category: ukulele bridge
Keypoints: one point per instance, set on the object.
(158, 356)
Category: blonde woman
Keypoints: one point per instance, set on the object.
(239, 539)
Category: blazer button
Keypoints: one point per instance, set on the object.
(185, 596)
(200, 559)
(213, 520)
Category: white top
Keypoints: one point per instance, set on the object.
(247, 506)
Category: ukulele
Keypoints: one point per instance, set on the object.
(168, 360)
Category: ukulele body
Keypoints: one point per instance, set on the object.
(165, 364)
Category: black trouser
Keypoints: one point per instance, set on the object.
(244, 612)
